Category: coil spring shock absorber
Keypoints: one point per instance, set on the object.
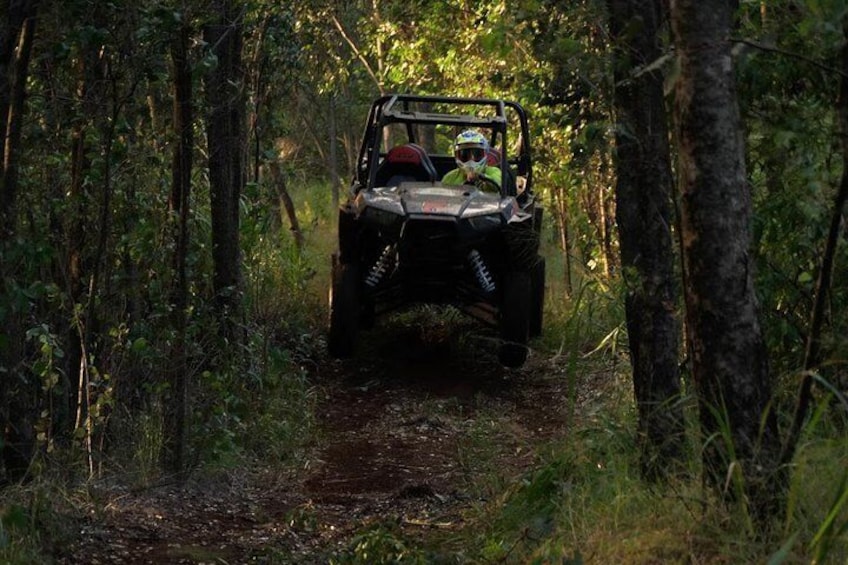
(382, 266)
(481, 271)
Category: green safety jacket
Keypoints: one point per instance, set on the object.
(457, 176)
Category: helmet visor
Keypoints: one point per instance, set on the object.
(469, 154)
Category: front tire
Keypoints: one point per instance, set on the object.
(344, 310)
(515, 319)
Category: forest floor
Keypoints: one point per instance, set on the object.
(412, 436)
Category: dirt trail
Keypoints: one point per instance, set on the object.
(407, 431)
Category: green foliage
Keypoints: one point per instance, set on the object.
(816, 511)
(18, 542)
(259, 403)
(379, 545)
(794, 165)
(587, 321)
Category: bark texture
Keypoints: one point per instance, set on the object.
(285, 202)
(729, 359)
(643, 211)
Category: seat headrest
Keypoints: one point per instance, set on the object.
(493, 157)
(409, 153)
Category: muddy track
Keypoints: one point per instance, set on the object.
(409, 431)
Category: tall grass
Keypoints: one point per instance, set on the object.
(586, 503)
(34, 516)
(817, 509)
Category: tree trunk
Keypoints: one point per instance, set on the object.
(91, 316)
(178, 204)
(225, 136)
(643, 211)
(15, 16)
(18, 386)
(729, 358)
(14, 123)
(286, 202)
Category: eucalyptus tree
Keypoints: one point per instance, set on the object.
(83, 81)
(340, 69)
(791, 73)
(814, 352)
(272, 69)
(728, 351)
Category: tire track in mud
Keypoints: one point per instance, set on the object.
(411, 423)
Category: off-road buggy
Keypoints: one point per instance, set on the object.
(405, 238)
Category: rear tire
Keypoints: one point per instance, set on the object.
(515, 319)
(344, 310)
(538, 302)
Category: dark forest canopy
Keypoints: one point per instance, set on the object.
(171, 171)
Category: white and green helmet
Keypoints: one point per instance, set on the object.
(470, 151)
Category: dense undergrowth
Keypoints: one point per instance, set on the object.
(250, 407)
(587, 503)
(583, 503)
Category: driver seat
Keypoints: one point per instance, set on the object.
(408, 162)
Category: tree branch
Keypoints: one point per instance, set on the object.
(791, 55)
(358, 53)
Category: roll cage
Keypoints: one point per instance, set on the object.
(498, 117)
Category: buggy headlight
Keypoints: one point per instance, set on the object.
(381, 217)
(485, 223)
